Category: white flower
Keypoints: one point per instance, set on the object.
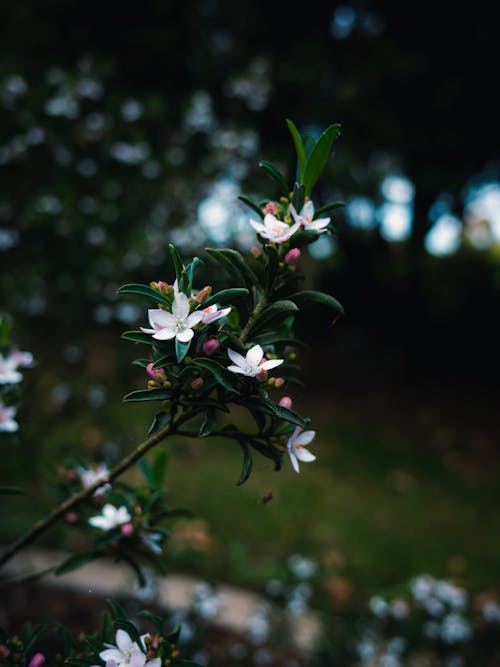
(210, 313)
(152, 540)
(273, 229)
(296, 447)
(23, 359)
(89, 476)
(8, 370)
(177, 324)
(127, 652)
(305, 218)
(111, 517)
(253, 363)
(7, 421)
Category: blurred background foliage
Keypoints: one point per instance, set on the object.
(124, 129)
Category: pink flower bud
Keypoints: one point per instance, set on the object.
(292, 257)
(197, 383)
(127, 529)
(211, 346)
(4, 651)
(155, 641)
(278, 382)
(158, 374)
(271, 207)
(37, 660)
(262, 376)
(285, 402)
(203, 294)
(256, 252)
(71, 517)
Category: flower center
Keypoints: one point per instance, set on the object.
(181, 325)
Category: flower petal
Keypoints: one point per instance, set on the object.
(294, 461)
(258, 226)
(271, 363)
(111, 654)
(254, 355)
(100, 522)
(236, 358)
(307, 210)
(193, 319)
(318, 224)
(185, 336)
(238, 369)
(306, 437)
(154, 663)
(123, 640)
(165, 334)
(180, 306)
(159, 318)
(304, 454)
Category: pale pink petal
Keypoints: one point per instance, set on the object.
(237, 369)
(304, 454)
(166, 333)
(185, 336)
(254, 355)
(271, 363)
(306, 437)
(318, 224)
(294, 461)
(180, 306)
(294, 213)
(193, 319)
(159, 318)
(123, 640)
(236, 358)
(307, 210)
(258, 226)
(148, 331)
(154, 663)
(100, 522)
(138, 659)
(111, 654)
(293, 228)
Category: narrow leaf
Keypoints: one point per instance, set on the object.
(11, 491)
(307, 296)
(208, 424)
(303, 237)
(139, 337)
(298, 197)
(191, 268)
(144, 290)
(328, 207)
(271, 266)
(299, 147)
(178, 266)
(160, 420)
(319, 156)
(247, 464)
(76, 561)
(221, 374)
(255, 207)
(225, 296)
(181, 349)
(275, 312)
(270, 452)
(276, 176)
(233, 271)
(147, 395)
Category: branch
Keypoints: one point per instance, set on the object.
(70, 503)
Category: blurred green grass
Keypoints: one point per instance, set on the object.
(375, 509)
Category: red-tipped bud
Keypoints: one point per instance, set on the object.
(211, 346)
(262, 376)
(158, 374)
(197, 383)
(271, 207)
(256, 252)
(37, 660)
(71, 517)
(127, 529)
(285, 402)
(292, 257)
(278, 382)
(203, 294)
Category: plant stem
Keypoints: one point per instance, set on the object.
(253, 318)
(70, 503)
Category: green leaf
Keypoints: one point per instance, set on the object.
(270, 452)
(116, 608)
(205, 403)
(319, 156)
(139, 337)
(156, 620)
(291, 416)
(328, 207)
(36, 635)
(208, 424)
(298, 197)
(299, 148)
(308, 296)
(181, 349)
(247, 464)
(191, 268)
(221, 374)
(276, 312)
(163, 361)
(272, 265)
(144, 290)
(225, 296)
(160, 420)
(236, 260)
(145, 467)
(303, 237)
(276, 176)
(224, 261)
(159, 467)
(76, 561)
(11, 491)
(178, 265)
(143, 363)
(255, 207)
(272, 338)
(148, 395)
